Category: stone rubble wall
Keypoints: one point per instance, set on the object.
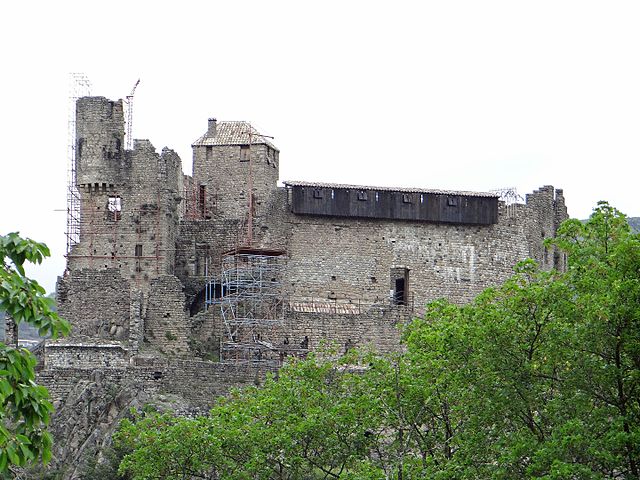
(166, 325)
(96, 302)
(213, 166)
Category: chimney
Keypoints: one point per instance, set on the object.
(211, 132)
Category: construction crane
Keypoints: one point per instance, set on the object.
(129, 102)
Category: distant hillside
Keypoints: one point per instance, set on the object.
(634, 223)
(25, 331)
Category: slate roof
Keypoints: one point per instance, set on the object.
(233, 133)
(293, 183)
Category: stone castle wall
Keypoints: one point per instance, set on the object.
(152, 238)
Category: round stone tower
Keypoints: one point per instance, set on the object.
(100, 153)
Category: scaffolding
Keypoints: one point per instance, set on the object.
(250, 299)
(80, 86)
(510, 197)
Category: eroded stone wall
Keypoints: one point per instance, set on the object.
(96, 302)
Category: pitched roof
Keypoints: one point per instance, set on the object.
(233, 133)
(293, 183)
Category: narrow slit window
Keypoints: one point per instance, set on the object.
(202, 200)
(138, 254)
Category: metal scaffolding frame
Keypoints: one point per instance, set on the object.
(250, 298)
(80, 86)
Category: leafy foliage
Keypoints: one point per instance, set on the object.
(538, 378)
(24, 406)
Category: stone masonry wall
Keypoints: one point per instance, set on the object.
(346, 258)
(166, 324)
(214, 166)
(97, 303)
(83, 356)
(100, 141)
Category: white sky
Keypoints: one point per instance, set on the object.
(472, 95)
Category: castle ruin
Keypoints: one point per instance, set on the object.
(183, 286)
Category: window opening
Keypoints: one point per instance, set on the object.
(114, 208)
(452, 201)
(406, 198)
(362, 195)
(202, 200)
(317, 193)
(138, 255)
(400, 286)
(244, 153)
(400, 292)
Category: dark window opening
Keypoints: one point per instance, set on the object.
(400, 292)
(452, 201)
(362, 195)
(138, 254)
(317, 193)
(406, 198)
(114, 208)
(400, 286)
(244, 153)
(202, 200)
(271, 156)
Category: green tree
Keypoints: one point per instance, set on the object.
(314, 420)
(604, 273)
(537, 378)
(24, 408)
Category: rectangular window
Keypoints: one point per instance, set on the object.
(317, 193)
(114, 208)
(400, 286)
(406, 198)
(138, 254)
(362, 195)
(452, 201)
(202, 200)
(244, 153)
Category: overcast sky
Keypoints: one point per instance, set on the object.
(472, 95)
